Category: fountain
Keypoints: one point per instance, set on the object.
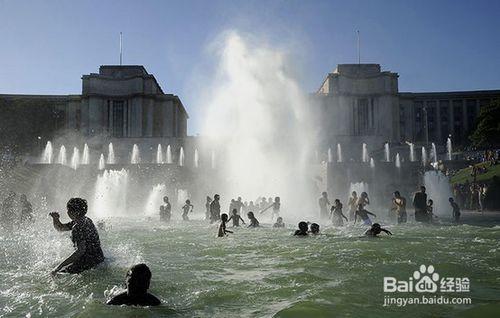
(339, 153)
(372, 163)
(213, 159)
(365, 153)
(330, 157)
(398, 161)
(62, 158)
(102, 163)
(48, 153)
(196, 158)
(111, 154)
(434, 153)
(135, 158)
(155, 199)
(181, 157)
(412, 152)
(448, 148)
(424, 157)
(439, 190)
(159, 155)
(359, 187)
(85, 155)
(387, 152)
(169, 155)
(110, 194)
(75, 158)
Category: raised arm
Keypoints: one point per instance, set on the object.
(57, 223)
(266, 209)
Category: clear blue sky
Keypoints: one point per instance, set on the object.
(45, 46)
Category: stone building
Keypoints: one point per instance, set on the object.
(361, 103)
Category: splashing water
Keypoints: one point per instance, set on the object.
(110, 194)
(412, 152)
(398, 161)
(196, 158)
(62, 157)
(330, 156)
(434, 153)
(339, 153)
(359, 187)
(135, 158)
(85, 155)
(111, 154)
(439, 190)
(102, 163)
(169, 155)
(448, 148)
(424, 157)
(372, 163)
(181, 157)
(387, 152)
(48, 153)
(364, 156)
(159, 154)
(75, 158)
(155, 199)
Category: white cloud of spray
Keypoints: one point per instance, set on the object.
(257, 119)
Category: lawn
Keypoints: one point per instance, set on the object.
(465, 174)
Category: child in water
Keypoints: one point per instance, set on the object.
(236, 218)
(302, 231)
(222, 227)
(456, 210)
(376, 230)
(430, 210)
(363, 214)
(188, 207)
(253, 221)
(336, 213)
(279, 223)
(137, 280)
(165, 210)
(314, 228)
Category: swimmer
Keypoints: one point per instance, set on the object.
(215, 209)
(165, 210)
(222, 227)
(253, 221)
(236, 218)
(137, 280)
(336, 213)
(85, 238)
(188, 207)
(279, 223)
(363, 215)
(314, 228)
(456, 210)
(376, 230)
(302, 231)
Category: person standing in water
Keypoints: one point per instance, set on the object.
(400, 204)
(215, 209)
(420, 205)
(236, 218)
(430, 210)
(352, 205)
(363, 215)
(26, 214)
(253, 220)
(456, 210)
(207, 208)
(276, 208)
(165, 210)
(188, 207)
(222, 227)
(138, 279)
(323, 203)
(279, 223)
(336, 214)
(88, 253)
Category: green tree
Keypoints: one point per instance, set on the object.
(487, 132)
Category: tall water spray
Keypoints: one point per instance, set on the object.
(75, 158)
(439, 189)
(111, 154)
(448, 148)
(159, 154)
(372, 163)
(154, 199)
(196, 158)
(434, 153)
(398, 161)
(85, 155)
(135, 158)
(424, 156)
(169, 155)
(48, 153)
(181, 157)
(339, 153)
(62, 157)
(253, 84)
(102, 163)
(110, 193)
(412, 152)
(365, 153)
(387, 152)
(330, 156)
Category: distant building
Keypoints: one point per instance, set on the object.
(360, 103)
(120, 102)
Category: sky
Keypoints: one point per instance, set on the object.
(46, 46)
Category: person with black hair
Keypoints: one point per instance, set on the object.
(137, 280)
(314, 228)
(222, 227)
(302, 231)
(236, 218)
(253, 220)
(165, 210)
(88, 253)
(375, 230)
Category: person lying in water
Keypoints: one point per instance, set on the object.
(137, 281)
(302, 231)
(375, 230)
(88, 253)
(314, 228)
(236, 218)
(253, 220)
(279, 222)
(222, 227)
(363, 214)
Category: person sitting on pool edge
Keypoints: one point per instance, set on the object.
(302, 231)
(253, 220)
(375, 230)
(279, 222)
(314, 229)
(85, 238)
(137, 281)
(222, 227)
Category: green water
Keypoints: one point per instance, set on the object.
(253, 273)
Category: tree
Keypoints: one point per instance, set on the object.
(487, 132)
